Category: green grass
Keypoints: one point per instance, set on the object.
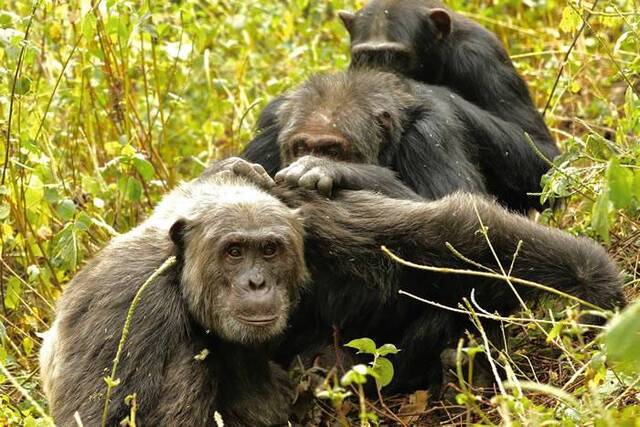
(103, 109)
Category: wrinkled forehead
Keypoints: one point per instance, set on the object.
(253, 213)
(332, 102)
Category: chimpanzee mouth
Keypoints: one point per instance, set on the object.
(258, 320)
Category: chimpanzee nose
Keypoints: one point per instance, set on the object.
(256, 282)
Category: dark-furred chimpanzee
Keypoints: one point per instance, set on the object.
(434, 140)
(354, 285)
(426, 41)
(196, 343)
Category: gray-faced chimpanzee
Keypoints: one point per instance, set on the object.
(425, 40)
(434, 140)
(196, 343)
(354, 285)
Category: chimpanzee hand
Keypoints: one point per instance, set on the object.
(254, 172)
(312, 173)
(327, 175)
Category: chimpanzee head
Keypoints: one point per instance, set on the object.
(343, 116)
(242, 262)
(394, 34)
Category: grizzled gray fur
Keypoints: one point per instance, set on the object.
(239, 273)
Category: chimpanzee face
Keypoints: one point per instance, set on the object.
(346, 117)
(243, 265)
(393, 35)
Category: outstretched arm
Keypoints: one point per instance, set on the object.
(357, 223)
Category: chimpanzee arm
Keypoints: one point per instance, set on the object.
(326, 175)
(356, 222)
(264, 149)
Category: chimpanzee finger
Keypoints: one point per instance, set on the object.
(246, 169)
(310, 179)
(268, 182)
(294, 173)
(325, 185)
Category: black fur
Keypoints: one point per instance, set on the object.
(404, 37)
(355, 286)
(443, 142)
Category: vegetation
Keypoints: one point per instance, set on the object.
(104, 105)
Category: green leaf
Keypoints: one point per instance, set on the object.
(35, 191)
(5, 210)
(27, 345)
(387, 349)
(128, 151)
(570, 21)
(600, 216)
(66, 249)
(143, 166)
(66, 209)
(133, 190)
(636, 185)
(622, 340)
(384, 371)
(363, 345)
(12, 293)
(357, 375)
(620, 180)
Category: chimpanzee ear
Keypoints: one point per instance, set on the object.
(442, 20)
(347, 19)
(177, 232)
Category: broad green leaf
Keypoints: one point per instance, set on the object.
(363, 345)
(128, 151)
(5, 210)
(622, 340)
(387, 349)
(143, 166)
(600, 216)
(66, 249)
(620, 180)
(384, 370)
(571, 21)
(133, 190)
(35, 191)
(66, 209)
(12, 293)
(636, 184)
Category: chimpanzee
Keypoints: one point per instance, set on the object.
(354, 285)
(196, 342)
(434, 140)
(426, 41)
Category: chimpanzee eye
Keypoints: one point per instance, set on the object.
(299, 150)
(333, 152)
(234, 251)
(270, 249)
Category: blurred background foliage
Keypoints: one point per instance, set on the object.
(104, 105)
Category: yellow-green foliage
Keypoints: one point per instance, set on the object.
(106, 104)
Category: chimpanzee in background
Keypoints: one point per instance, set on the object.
(426, 41)
(434, 140)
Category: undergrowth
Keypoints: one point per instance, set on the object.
(105, 105)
